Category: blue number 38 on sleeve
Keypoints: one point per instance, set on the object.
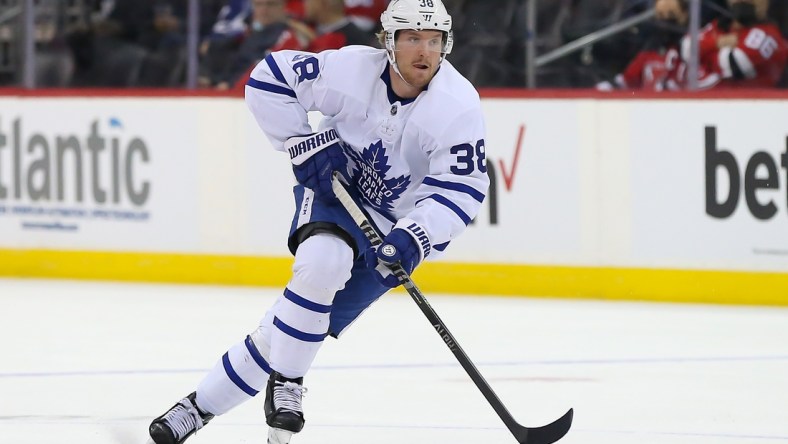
(306, 67)
(469, 158)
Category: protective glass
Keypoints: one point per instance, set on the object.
(413, 41)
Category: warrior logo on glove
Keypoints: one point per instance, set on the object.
(315, 157)
(300, 147)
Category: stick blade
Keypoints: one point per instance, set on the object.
(546, 434)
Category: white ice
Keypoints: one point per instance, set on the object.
(89, 363)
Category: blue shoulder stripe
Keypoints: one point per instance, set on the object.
(270, 87)
(450, 205)
(275, 68)
(454, 186)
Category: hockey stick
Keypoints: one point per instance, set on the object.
(525, 435)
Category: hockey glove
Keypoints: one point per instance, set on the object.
(405, 244)
(315, 157)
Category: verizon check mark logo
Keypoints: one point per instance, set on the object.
(508, 174)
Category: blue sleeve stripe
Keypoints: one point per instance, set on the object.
(306, 303)
(454, 186)
(298, 334)
(258, 358)
(450, 205)
(270, 87)
(441, 247)
(275, 68)
(228, 368)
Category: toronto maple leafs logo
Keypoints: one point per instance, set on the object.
(369, 175)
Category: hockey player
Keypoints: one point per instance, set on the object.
(406, 131)
(745, 51)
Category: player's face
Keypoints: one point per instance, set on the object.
(418, 55)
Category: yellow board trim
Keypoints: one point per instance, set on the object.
(638, 284)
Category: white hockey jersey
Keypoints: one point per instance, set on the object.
(421, 159)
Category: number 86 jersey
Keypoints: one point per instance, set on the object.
(756, 60)
(421, 158)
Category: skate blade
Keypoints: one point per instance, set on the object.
(279, 436)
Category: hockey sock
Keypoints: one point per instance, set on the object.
(301, 317)
(239, 375)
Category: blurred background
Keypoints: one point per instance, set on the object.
(126, 152)
(212, 44)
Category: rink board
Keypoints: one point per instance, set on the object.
(722, 287)
(609, 197)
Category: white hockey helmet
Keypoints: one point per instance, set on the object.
(418, 15)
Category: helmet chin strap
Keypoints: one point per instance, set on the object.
(393, 60)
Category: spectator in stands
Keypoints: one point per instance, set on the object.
(164, 37)
(230, 22)
(106, 49)
(219, 46)
(131, 43)
(365, 13)
(653, 67)
(745, 51)
(333, 29)
(267, 26)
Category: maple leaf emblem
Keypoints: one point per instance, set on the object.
(369, 175)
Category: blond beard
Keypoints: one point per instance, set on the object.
(415, 82)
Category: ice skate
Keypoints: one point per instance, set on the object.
(179, 422)
(283, 410)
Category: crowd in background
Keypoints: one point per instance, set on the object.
(143, 43)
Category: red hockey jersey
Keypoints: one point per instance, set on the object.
(756, 61)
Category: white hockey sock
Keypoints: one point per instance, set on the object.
(301, 318)
(238, 376)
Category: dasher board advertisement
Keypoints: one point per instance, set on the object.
(93, 174)
(710, 184)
